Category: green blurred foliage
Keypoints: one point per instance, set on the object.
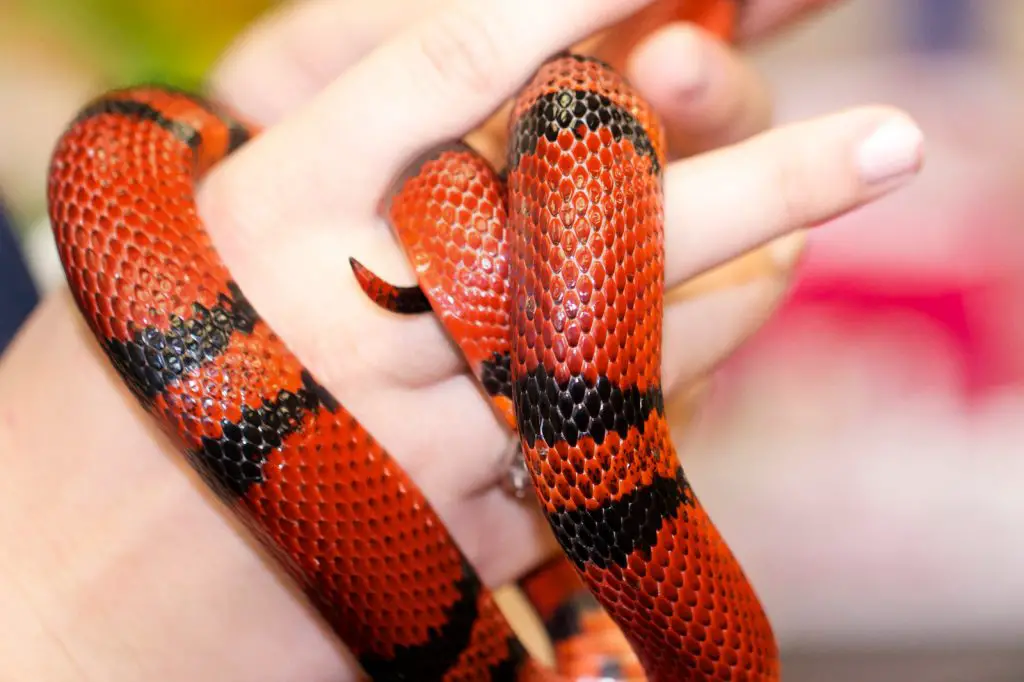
(168, 41)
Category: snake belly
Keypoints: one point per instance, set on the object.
(563, 261)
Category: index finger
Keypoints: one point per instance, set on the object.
(292, 52)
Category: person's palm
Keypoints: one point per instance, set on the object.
(161, 583)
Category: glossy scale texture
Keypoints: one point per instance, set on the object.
(586, 259)
(353, 528)
(575, 264)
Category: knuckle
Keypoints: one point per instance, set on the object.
(461, 50)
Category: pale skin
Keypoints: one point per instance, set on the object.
(115, 562)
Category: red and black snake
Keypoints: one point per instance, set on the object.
(549, 276)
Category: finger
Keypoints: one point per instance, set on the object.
(710, 317)
(725, 203)
(705, 321)
(291, 53)
(435, 82)
(432, 83)
(761, 17)
(707, 95)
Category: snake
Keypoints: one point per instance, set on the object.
(548, 274)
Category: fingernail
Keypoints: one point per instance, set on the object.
(891, 152)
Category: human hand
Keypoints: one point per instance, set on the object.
(119, 544)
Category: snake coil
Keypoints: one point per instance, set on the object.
(550, 278)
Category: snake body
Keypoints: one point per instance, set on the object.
(549, 278)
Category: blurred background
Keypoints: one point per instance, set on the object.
(873, 429)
